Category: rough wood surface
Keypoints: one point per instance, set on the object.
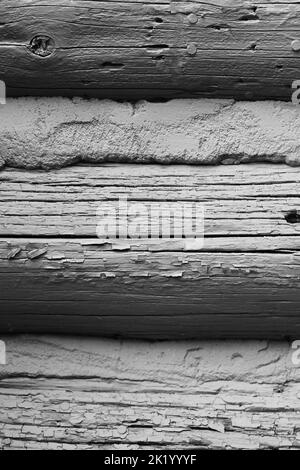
(144, 49)
(70, 393)
(56, 276)
(55, 132)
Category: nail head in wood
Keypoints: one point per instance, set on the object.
(191, 49)
(192, 18)
(296, 45)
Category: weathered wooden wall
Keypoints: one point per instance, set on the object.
(56, 276)
(143, 49)
(70, 393)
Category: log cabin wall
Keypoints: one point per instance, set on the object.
(58, 276)
(227, 384)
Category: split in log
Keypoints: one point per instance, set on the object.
(136, 50)
(56, 276)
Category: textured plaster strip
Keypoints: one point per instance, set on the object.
(56, 132)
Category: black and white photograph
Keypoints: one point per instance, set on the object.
(149, 228)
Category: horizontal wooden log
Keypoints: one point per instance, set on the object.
(123, 49)
(239, 201)
(244, 281)
(71, 393)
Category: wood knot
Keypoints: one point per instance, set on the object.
(292, 217)
(43, 46)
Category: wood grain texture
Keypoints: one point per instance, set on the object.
(71, 393)
(56, 276)
(124, 49)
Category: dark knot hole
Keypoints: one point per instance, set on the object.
(293, 217)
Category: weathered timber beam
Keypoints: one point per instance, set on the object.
(244, 282)
(124, 49)
(250, 201)
(55, 132)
